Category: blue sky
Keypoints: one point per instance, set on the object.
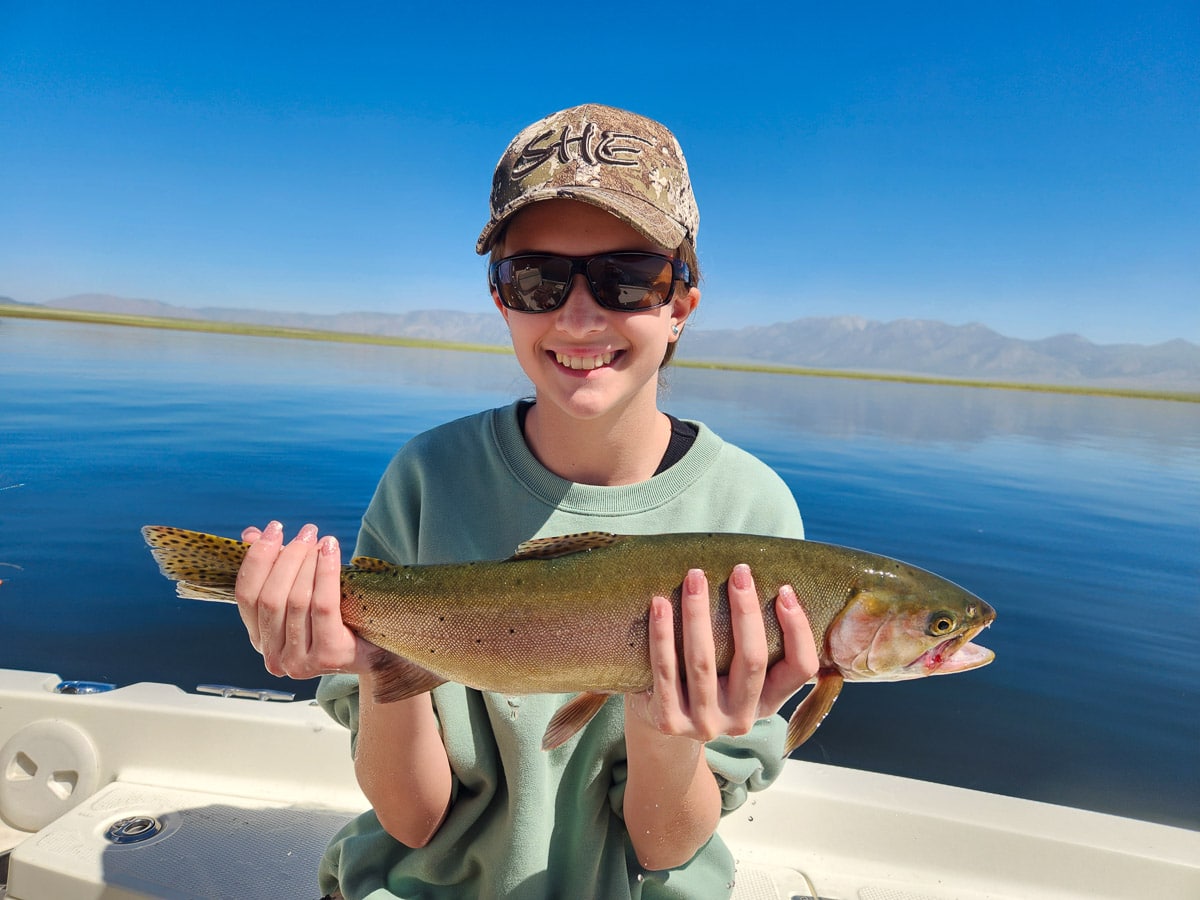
(1031, 166)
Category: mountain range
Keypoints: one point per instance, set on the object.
(904, 346)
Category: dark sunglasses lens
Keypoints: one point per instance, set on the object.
(533, 283)
(630, 281)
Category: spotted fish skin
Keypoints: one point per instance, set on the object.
(571, 613)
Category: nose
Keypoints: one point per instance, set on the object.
(580, 313)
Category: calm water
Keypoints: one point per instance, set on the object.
(1077, 518)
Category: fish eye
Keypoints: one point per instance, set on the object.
(941, 623)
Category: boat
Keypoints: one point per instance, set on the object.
(150, 791)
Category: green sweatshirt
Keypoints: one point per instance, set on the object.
(525, 823)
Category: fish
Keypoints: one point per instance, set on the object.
(570, 614)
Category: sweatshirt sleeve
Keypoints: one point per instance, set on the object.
(747, 763)
(338, 696)
(740, 765)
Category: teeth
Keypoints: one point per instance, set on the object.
(584, 362)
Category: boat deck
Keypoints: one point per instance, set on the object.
(152, 792)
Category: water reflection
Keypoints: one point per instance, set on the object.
(913, 413)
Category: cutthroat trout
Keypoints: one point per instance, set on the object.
(571, 614)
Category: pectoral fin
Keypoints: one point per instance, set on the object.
(571, 717)
(813, 709)
(398, 679)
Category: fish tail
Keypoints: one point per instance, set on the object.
(204, 566)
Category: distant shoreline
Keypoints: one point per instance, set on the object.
(345, 337)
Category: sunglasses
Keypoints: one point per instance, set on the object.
(625, 282)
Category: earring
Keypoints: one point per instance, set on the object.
(675, 330)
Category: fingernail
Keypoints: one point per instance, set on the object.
(308, 534)
(788, 597)
(273, 529)
(741, 576)
(329, 546)
(695, 580)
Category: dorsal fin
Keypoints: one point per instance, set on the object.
(551, 547)
(371, 564)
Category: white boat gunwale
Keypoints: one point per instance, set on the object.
(210, 766)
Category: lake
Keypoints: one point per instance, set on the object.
(1077, 518)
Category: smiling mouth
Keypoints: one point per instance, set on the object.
(584, 363)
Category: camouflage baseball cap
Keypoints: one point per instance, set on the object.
(624, 163)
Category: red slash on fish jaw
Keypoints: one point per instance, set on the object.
(932, 661)
(956, 655)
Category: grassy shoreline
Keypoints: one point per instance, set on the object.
(305, 334)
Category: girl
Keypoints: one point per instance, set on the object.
(592, 242)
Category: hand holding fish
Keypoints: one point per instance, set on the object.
(289, 597)
(672, 803)
(690, 698)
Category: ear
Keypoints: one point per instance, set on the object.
(500, 306)
(682, 307)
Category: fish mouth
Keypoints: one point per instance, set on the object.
(956, 654)
(584, 362)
